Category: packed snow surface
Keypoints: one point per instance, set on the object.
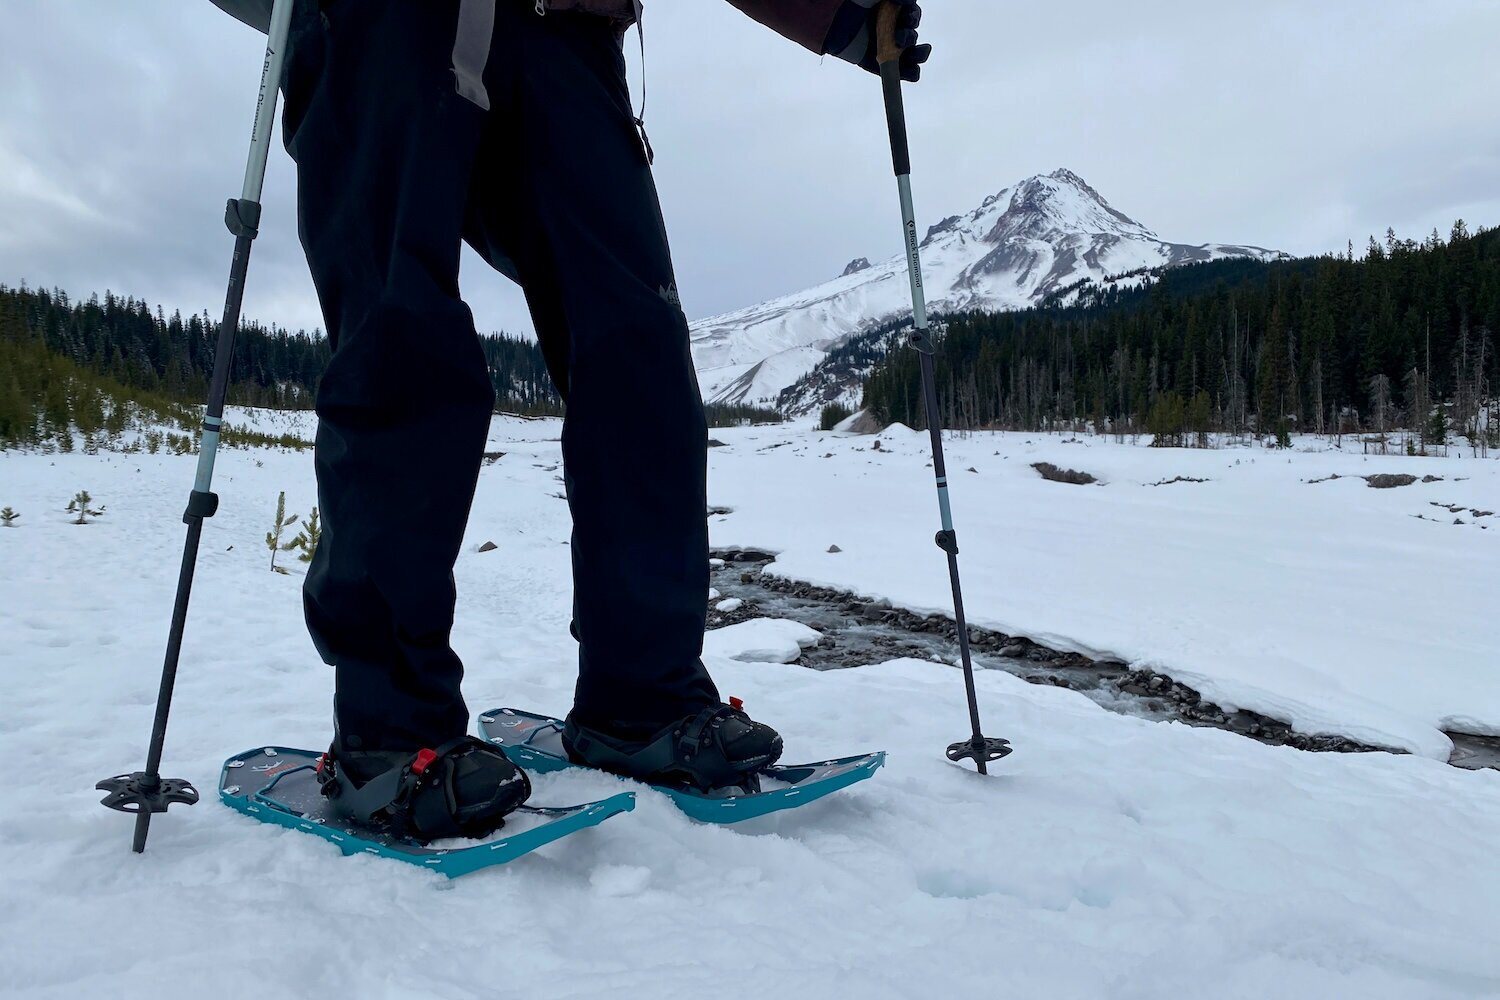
(1108, 857)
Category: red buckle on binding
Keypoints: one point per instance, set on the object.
(322, 763)
(738, 704)
(423, 761)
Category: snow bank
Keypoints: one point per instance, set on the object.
(760, 640)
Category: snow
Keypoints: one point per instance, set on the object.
(760, 640)
(1108, 857)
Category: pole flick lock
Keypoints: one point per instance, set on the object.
(242, 217)
(200, 505)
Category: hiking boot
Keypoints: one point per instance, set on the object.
(720, 749)
(464, 788)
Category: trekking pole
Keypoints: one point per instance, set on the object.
(146, 792)
(982, 750)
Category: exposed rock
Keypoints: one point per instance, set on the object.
(1052, 473)
(855, 266)
(946, 226)
(488, 547)
(834, 548)
(1388, 480)
(863, 422)
(743, 555)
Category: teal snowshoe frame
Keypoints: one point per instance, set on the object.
(535, 742)
(279, 785)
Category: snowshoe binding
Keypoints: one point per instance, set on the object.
(718, 750)
(463, 788)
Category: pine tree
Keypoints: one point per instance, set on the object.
(273, 537)
(80, 505)
(1380, 400)
(8, 517)
(1166, 421)
(307, 539)
(1438, 427)
(833, 414)
(1200, 418)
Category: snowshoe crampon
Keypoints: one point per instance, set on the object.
(535, 743)
(280, 785)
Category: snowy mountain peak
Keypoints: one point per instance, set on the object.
(1049, 234)
(1061, 202)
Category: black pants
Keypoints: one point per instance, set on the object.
(398, 161)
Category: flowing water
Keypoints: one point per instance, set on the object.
(857, 632)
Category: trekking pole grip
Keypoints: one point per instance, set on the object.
(886, 48)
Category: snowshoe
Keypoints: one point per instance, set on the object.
(464, 788)
(280, 785)
(536, 743)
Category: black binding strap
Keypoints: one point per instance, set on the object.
(417, 800)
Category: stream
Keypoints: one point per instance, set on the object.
(857, 632)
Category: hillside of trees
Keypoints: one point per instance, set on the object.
(96, 367)
(89, 367)
(1402, 336)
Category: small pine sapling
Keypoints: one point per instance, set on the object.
(80, 505)
(8, 517)
(307, 538)
(273, 537)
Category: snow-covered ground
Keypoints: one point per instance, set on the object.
(1331, 605)
(1109, 857)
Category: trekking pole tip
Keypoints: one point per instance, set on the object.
(980, 749)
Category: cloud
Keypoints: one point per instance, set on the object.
(1285, 124)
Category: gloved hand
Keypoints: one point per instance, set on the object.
(852, 36)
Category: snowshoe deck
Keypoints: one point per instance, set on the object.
(279, 785)
(535, 743)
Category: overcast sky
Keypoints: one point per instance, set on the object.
(1295, 125)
